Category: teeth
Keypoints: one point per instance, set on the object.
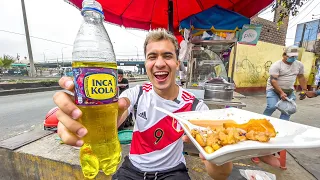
(160, 73)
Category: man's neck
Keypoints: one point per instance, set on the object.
(170, 94)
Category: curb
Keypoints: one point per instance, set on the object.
(28, 90)
(41, 89)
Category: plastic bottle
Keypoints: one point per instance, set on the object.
(95, 78)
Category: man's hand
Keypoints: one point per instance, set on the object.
(283, 96)
(69, 129)
(311, 94)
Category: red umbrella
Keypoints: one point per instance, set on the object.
(151, 14)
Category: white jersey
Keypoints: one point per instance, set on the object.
(156, 142)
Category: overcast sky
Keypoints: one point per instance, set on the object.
(57, 20)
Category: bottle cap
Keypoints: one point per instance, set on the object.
(91, 5)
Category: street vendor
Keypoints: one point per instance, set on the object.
(150, 157)
(283, 75)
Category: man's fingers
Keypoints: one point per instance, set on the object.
(271, 160)
(66, 104)
(67, 83)
(73, 126)
(67, 137)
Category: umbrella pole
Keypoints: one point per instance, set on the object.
(234, 61)
(170, 16)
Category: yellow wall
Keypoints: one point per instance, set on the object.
(308, 59)
(253, 62)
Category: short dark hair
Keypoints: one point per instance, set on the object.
(120, 71)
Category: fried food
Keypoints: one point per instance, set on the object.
(257, 125)
(212, 139)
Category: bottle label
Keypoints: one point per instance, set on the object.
(95, 86)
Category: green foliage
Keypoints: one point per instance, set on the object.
(290, 7)
(6, 61)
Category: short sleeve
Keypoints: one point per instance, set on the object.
(274, 69)
(301, 68)
(201, 106)
(132, 95)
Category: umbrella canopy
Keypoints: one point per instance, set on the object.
(151, 14)
(215, 18)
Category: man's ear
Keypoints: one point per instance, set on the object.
(178, 65)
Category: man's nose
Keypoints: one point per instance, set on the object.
(160, 62)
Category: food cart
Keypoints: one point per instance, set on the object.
(208, 58)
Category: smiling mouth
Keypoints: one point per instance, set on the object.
(161, 75)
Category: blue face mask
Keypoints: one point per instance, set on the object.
(292, 59)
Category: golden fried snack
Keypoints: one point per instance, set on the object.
(212, 139)
(257, 125)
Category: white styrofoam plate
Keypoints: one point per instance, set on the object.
(290, 135)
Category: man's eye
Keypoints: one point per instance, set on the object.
(168, 56)
(152, 57)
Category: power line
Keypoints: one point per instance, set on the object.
(305, 15)
(36, 37)
(134, 34)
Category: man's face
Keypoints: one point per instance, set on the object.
(120, 77)
(161, 64)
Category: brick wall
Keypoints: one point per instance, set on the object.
(270, 32)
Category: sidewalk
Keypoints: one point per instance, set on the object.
(308, 114)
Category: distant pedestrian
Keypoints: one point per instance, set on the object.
(283, 75)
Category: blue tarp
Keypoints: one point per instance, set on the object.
(215, 18)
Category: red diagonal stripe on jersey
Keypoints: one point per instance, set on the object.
(145, 142)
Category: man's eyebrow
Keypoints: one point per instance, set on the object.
(151, 53)
(167, 53)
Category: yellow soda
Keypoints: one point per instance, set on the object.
(101, 149)
(96, 94)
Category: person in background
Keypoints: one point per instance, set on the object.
(123, 83)
(283, 75)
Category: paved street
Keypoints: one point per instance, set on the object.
(24, 112)
(308, 113)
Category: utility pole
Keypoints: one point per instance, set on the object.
(302, 37)
(137, 53)
(32, 69)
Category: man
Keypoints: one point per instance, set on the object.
(280, 85)
(123, 83)
(156, 147)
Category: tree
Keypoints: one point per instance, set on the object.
(6, 61)
(289, 7)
